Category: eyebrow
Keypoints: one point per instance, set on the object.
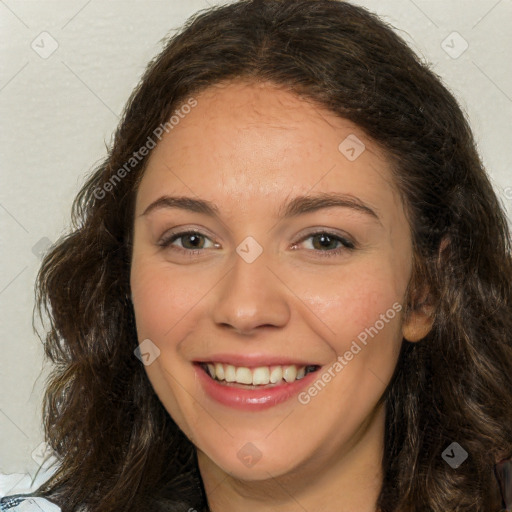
(297, 206)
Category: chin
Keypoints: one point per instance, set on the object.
(251, 464)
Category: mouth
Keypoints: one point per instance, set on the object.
(253, 388)
(259, 377)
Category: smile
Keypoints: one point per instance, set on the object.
(259, 376)
(253, 388)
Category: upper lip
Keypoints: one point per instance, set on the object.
(255, 360)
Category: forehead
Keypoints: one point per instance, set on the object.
(246, 140)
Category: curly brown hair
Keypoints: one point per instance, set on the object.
(118, 447)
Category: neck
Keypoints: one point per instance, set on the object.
(346, 480)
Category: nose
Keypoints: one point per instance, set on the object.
(251, 297)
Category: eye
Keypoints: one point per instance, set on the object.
(190, 241)
(193, 242)
(328, 244)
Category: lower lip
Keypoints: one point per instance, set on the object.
(251, 399)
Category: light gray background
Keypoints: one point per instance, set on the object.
(58, 112)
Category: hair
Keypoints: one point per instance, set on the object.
(118, 447)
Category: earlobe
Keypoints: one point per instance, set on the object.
(418, 323)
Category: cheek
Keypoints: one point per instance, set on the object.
(362, 310)
(162, 298)
(349, 301)
(338, 303)
(164, 302)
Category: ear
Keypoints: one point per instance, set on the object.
(419, 319)
(418, 323)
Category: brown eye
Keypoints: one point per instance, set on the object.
(324, 241)
(328, 244)
(189, 241)
(192, 241)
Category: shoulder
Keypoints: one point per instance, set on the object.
(17, 491)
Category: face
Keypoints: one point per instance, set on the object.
(270, 247)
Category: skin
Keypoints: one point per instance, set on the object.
(249, 148)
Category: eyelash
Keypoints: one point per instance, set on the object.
(346, 244)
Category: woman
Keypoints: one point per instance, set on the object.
(214, 351)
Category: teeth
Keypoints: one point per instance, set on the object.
(276, 374)
(219, 371)
(229, 373)
(290, 373)
(261, 376)
(243, 375)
